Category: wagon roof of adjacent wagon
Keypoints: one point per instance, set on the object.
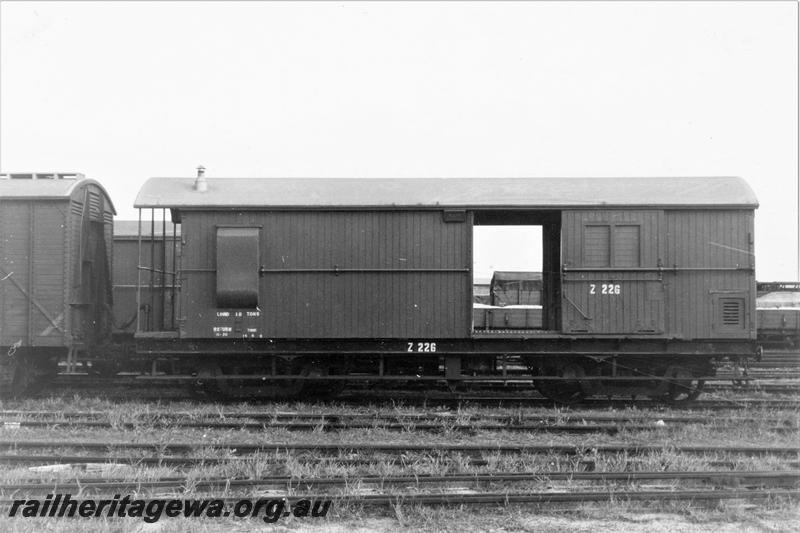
(337, 193)
(130, 228)
(45, 188)
(500, 275)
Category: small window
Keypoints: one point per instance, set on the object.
(238, 263)
(732, 312)
(597, 246)
(611, 245)
(626, 246)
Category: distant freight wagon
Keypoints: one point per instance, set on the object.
(778, 309)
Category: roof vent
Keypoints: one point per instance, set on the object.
(200, 184)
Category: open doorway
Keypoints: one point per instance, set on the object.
(516, 271)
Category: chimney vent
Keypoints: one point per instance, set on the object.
(200, 184)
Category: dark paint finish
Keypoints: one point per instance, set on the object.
(643, 266)
(323, 274)
(55, 263)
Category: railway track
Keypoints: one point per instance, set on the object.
(778, 359)
(463, 428)
(511, 400)
(80, 462)
(538, 497)
(326, 426)
(471, 425)
(542, 498)
(395, 448)
(510, 382)
(758, 373)
(781, 478)
(330, 416)
(140, 392)
(754, 386)
(495, 488)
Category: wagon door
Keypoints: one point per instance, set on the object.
(612, 282)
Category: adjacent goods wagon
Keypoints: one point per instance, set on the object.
(514, 302)
(55, 272)
(779, 314)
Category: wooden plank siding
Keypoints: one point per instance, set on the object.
(709, 240)
(601, 239)
(31, 255)
(302, 295)
(691, 265)
(48, 273)
(13, 260)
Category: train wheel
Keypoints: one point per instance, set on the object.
(205, 386)
(682, 386)
(104, 369)
(319, 389)
(567, 390)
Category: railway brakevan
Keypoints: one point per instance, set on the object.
(645, 284)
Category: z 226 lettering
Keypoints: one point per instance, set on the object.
(605, 288)
(421, 347)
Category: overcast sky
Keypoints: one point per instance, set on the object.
(125, 91)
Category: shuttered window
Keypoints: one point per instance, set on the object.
(597, 246)
(611, 245)
(626, 246)
(237, 267)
